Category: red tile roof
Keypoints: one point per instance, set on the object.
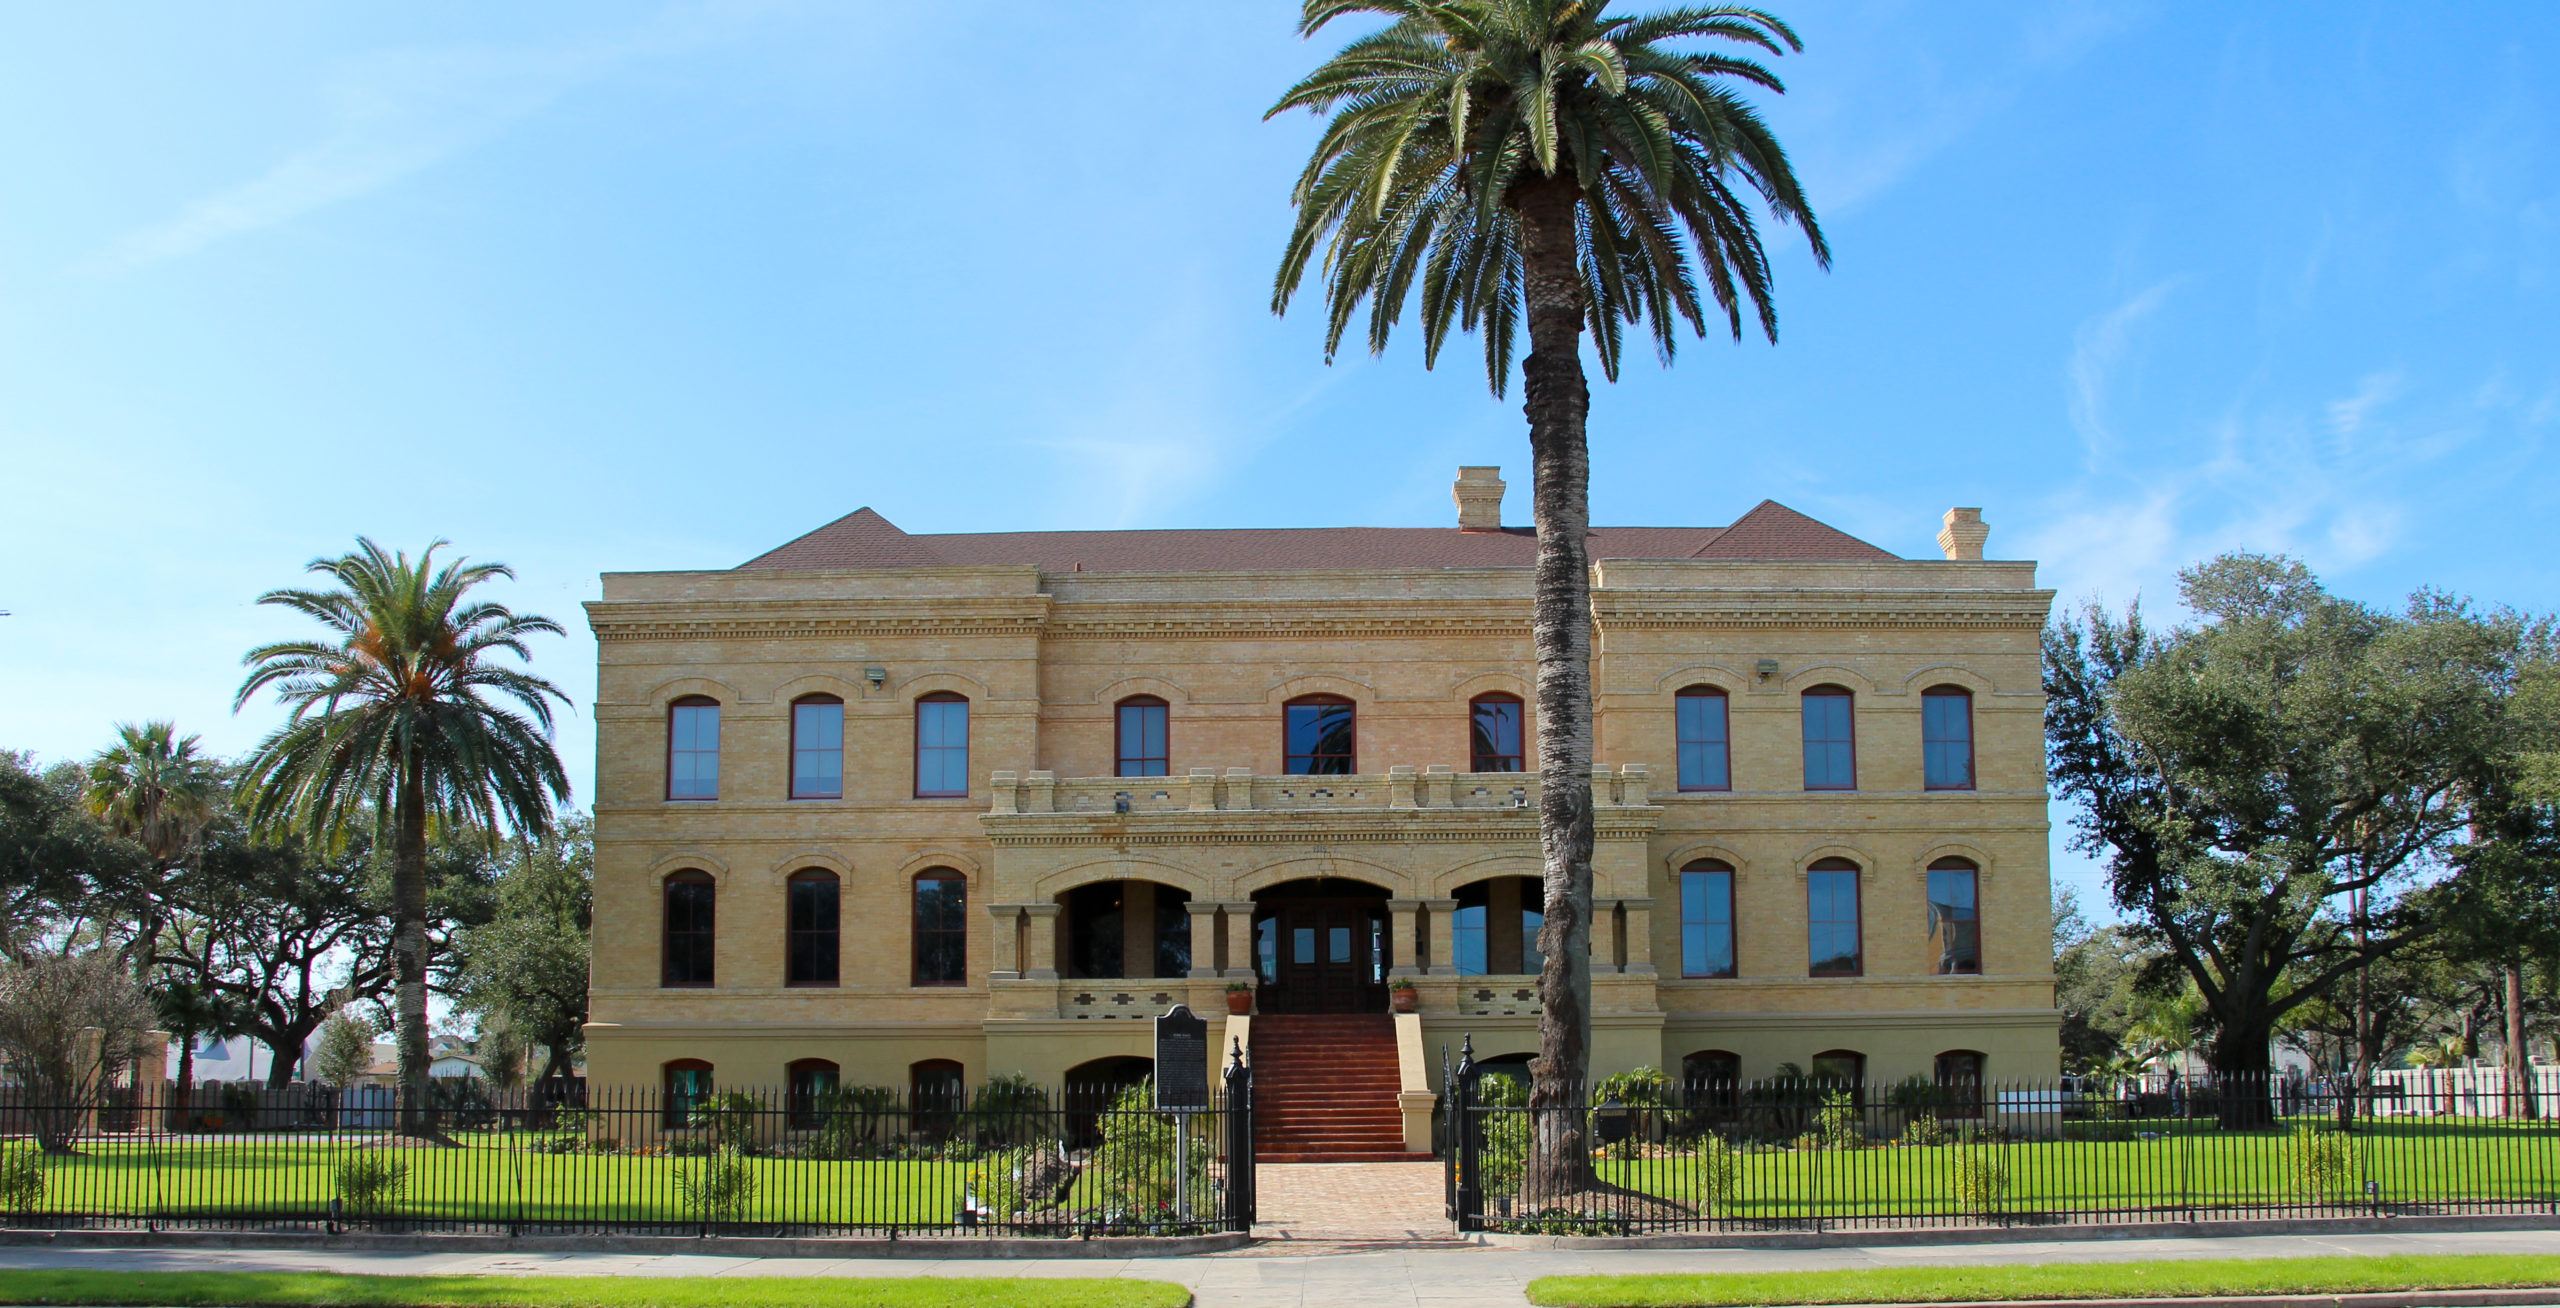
(864, 539)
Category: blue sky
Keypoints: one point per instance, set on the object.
(591, 287)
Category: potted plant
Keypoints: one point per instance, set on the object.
(1239, 998)
(1401, 995)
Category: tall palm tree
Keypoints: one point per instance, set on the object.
(1542, 160)
(393, 724)
(152, 787)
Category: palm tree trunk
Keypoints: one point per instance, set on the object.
(1558, 402)
(182, 1119)
(409, 949)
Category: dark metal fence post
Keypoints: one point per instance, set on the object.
(1239, 1088)
(1464, 1139)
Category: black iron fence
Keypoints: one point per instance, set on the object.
(1804, 1153)
(1006, 1158)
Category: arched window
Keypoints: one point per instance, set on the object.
(693, 748)
(1960, 1083)
(1142, 732)
(1830, 739)
(685, 930)
(1706, 759)
(812, 1080)
(1706, 919)
(813, 945)
(1946, 737)
(1494, 931)
(1321, 736)
(817, 747)
(942, 746)
(1832, 940)
(1839, 1067)
(941, 928)
(1955, 916)
(933, 1095)
(1495, 736)
(686, 1082)
(1712, 1079)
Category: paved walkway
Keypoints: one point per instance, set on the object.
(1350, 1201)
(1309, 1274)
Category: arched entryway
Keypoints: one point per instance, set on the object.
(1320, 946)
(1124, 929)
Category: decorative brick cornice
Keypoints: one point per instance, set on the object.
(1284, 827)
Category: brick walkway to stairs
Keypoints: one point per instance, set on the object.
(1324, 1089)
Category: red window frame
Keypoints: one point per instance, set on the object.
(1519, 758)
(967, 730)
(820, 943)
(921, 937)
(1681, 740)
(691, 702)
(793, 781)
(1930, 744)
(1850, 697)
(709, 932)
(1702, 868)
(1857, 915)
(1973, 871)
(1121, 758)
(676, 1107)
(1350, 760)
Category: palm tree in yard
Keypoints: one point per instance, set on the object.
(1542, 160)
(394, 722)
(152, 787)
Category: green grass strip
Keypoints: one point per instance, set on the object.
(221, 1289)
(2125, 1280)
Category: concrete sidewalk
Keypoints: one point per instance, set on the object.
(1309, 1274)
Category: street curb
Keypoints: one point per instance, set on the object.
(722, 1246)
(2042, 1234)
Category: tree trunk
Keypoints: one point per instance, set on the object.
(2243, 1075)
(1558, 402)
(409, 950)
(2519, 1062)
(183, 1118)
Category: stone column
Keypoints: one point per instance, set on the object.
(1043, 796)
(1239, 789)
(1040, 925)
(1400, 786)
(1204, 790)
(1635, 785)
(1403, 955)
(1007, 800)
(1006, 935)
(1438, 783)
(1137, 929)
(1239, 939)
(1438, 962)
(1204, 938)
(1639, 936)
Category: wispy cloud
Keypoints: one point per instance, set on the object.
(390, 115)
(2097, 349)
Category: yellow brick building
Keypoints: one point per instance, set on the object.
(900, 810)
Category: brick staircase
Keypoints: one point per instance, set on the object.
(1324, 1090)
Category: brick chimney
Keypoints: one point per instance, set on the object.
(1962, 534)
(1479, 496)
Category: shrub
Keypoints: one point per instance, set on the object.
(1011, 1110)
(1502, 1155)
(1717, 1169)
(21, 1180)
(368, 1182)
(1644, 1087)
(1134, 1165)
(1014, 1182)
(1981, 1180)
(719, 1188)
(728, 1119)
(1839, 1123)
(849, 1119)
(2324, 1162)
(1924, 1131)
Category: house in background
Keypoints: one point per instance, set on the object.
(914, 810)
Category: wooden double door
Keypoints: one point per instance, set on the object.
(1322, 955)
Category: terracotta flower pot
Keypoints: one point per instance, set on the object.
(1239, 1002)
(1402, 1000)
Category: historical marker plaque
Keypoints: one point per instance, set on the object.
(1182, 1061)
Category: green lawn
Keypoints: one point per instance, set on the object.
(186, 1289)
(2227, 1276)
(490, 1178)
(2410, 1162)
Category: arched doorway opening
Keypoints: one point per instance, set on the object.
(1125, 930)
(1093, 1087)
(1320, 946)
(1494, 931)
